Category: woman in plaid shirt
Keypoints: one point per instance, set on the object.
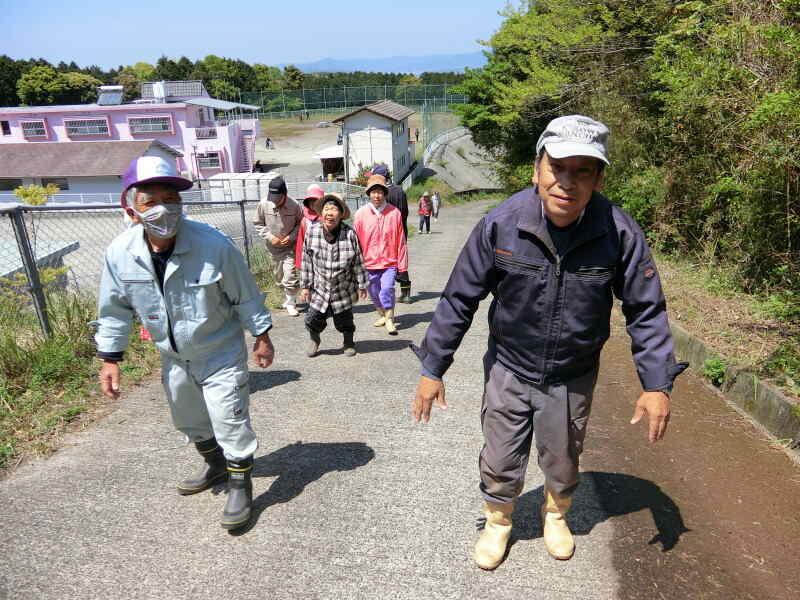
(332, 274)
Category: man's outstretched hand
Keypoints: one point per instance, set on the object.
(656, 406)
(428, 391)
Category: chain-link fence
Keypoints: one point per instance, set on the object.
(64, 245)
(236, 187)
(285, 103)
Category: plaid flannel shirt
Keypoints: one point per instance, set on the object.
(333, 272)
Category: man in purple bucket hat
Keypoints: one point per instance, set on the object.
(191, 288)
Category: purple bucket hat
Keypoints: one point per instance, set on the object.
(152, 169)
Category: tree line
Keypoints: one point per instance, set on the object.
(36, 81)
(703, 101)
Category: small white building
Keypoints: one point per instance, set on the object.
(377, 133)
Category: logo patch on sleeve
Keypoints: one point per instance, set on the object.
(503, 252)
(649, 272)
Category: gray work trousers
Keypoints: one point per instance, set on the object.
(513, 410)
(215, 406)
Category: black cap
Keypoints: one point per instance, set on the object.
(277, 187)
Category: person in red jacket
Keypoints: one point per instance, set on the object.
(424, 210)
(314, 193)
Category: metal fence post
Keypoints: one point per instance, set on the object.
(32, 272)
(244, 235)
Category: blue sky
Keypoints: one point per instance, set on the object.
(109, 33)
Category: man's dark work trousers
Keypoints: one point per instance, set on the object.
(515, 410)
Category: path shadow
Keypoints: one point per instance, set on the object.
(273, 165)
(368, 346)
(298, 465)
(418, 297)
(409, 320)
(262, 380)
(601, 496)
(364, 308)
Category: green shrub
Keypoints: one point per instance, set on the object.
(714, 370)
(784, 365)
(783, 306)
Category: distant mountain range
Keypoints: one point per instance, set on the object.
(397, 64)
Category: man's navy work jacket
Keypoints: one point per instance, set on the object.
(550, 315)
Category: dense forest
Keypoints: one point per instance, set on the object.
(703, 102)
(37, 82)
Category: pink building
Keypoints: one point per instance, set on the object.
(178, 114)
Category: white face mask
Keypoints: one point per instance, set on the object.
(162, 220)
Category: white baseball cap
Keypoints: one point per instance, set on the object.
(574, 135)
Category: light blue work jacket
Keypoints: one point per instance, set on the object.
(209, 297)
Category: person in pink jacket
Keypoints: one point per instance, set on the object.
(314, 193)
(379, 227)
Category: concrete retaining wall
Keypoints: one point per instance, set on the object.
(765, 403)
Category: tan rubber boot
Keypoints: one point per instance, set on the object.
(389, 312)
(557, 536)
(381, 318)
(490, 549)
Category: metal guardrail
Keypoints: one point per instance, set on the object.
(73, 238)
(439, 141)
(442, 139)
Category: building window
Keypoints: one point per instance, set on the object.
(9, 185)
(209, 160)
(6, 127)
(159, 124)
(60, 182)
(34, 129)
(77, 127)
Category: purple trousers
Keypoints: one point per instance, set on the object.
(381, 286)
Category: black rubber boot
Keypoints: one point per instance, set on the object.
(405, 294)
(240, 494)
(314, 341)
(214, 470)
(349, 345)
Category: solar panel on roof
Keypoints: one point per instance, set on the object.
(109, 98)
(109, 95)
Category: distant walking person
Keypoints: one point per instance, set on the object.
(277, 221)
(436, 201)
(424, 210)
(397, 198)
(416, 135)
(332, 275)
(380, 232)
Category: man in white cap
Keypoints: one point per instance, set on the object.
(277, 221)
(553, 256)
(191, 288)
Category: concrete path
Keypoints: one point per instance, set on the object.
(353, 501)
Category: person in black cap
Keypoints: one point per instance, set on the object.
(278, 220)
(397, 198)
